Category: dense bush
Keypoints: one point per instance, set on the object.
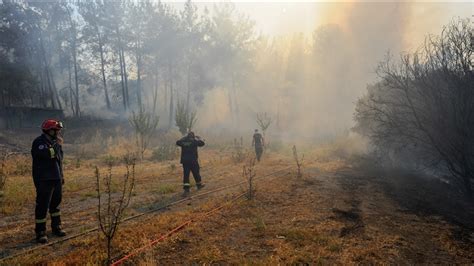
(421, 112)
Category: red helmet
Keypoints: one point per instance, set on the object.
(51, 124)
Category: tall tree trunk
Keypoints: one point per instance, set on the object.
(171, 95)
(102, 68)
(139, 89)
(165, 98)
(42, 89)
(76, 82)
(50, 90)
(52, 87)
(123, 70)
(55, 92)
(122, 82)
(236, 104)
(46, 69)
(155, 92)
(188, 94)
(71, 91)
(74, 58)
(56, 95)
(125, 78)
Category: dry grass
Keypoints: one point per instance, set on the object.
(323, 218)
(19, 191)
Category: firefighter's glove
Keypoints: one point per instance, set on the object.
(62, 181)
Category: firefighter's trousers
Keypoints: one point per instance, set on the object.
(48, 197)
(189, 167)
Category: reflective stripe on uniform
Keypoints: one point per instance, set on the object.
(55, 214)
(52, 152)
(186, 184)
(40, 221)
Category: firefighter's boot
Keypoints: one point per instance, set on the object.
(186, 193)
(56, 225)
(200, 186)
(41, 237)
(58, 231)
(40, 230)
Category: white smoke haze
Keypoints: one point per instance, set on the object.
(332, 66)
(322, 103)
(304, 64)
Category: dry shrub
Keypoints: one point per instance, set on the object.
(264, 121)
(144, 125)
(110, 212)
(238, 151)
(119, 146)
(185, 118)
(249, 174)
(298, 161)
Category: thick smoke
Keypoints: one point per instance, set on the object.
(310, 83)
(317, 78)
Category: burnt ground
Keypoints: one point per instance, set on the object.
(335, 214)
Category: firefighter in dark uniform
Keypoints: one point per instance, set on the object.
(48, 178)
(258, 143)
(189, 159)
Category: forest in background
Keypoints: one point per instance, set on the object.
(106, 59)
(111, 59)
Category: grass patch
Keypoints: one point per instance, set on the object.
(89, 194)
(334, 247)
(260, 225)
(166, 189)
(295, 235)
(17, 194)
(302, 258)
(301, 237)
(320, 240)
(71, 185)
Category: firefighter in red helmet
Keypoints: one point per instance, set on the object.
(48, 178)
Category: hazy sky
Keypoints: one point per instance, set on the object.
(287, 17)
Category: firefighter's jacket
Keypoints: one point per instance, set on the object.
(189, 149)
(47, 159)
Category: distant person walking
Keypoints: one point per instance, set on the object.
(48, 178)
(189, 159)
(258, 143)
